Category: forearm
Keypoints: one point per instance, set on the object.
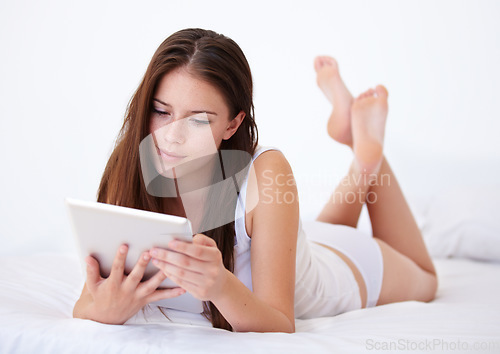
(247, 313)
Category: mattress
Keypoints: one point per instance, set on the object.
(37, 294)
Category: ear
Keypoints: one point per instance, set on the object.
(233, 125)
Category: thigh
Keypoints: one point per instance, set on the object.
(403, 279)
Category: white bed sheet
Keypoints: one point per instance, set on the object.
(37, 294)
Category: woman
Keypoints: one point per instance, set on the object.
(258, 272)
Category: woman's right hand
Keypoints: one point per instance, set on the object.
(115, 299)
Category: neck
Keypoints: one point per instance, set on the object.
(193, 190)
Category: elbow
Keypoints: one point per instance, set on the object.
(426, 289)
(291, 330)
(288, 326)
(291, 327)
(433, 288)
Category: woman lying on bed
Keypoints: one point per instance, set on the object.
(257, 272)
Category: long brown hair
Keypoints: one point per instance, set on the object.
(219, 61)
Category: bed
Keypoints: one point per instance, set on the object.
(38, 291)
(69, 68)
(36, 308)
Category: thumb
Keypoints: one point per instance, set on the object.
(93, 274)
(203, 240)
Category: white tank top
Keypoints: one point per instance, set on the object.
(324, 284)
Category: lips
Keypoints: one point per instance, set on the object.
(169, 155)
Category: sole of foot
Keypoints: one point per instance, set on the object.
(329, 81)
(369, 114)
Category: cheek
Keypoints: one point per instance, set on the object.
(208, 135)
(218, 135)
(220, 130)
(205, 140)
(153, 125)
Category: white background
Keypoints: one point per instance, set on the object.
(69, 68)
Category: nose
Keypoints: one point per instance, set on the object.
(174, 132)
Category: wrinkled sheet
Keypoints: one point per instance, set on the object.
(37, 294)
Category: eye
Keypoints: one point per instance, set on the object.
(160, 113)
(199, 120)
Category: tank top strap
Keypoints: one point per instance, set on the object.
(260, 149)
(241, 238)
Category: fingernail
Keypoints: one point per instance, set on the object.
(154, 253)
(155, 261)
(123, 249)
(146, 256)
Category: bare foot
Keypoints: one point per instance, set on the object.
(330, 82)
(369, 113)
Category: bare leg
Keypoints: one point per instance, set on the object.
(346, 202)
(392, 220)
(409, 273)
(408, 269)
(364, 133)
(337, 210)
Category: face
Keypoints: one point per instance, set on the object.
(189, 120)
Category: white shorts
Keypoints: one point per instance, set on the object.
(358, 246)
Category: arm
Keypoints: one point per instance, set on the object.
(198, 267)
(273, 231)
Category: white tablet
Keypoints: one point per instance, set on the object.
(101, 228)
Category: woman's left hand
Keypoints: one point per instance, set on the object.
(196, 267)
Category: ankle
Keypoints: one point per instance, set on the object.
(367, 174)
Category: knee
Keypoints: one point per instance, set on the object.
(428, 288)
(433, 287)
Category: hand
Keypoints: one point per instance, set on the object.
(196, 267)
(117, 298)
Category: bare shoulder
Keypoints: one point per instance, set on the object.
(271, 188)
(272, 162)
(269, 171)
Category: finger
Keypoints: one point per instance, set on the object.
(188, 286)
(197, 251)
(182, 277)
(137, 273)
(152, 283)
(179, 259)
(93, 274)
(118, 267)
(164, 294)
(204, 240)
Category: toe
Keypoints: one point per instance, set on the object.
(320, 62)
(330, 61)
(324, 61)
(381, 91)
(367, 93)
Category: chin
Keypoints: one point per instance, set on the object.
(168, 173)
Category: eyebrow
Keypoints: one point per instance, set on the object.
(196, 112)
